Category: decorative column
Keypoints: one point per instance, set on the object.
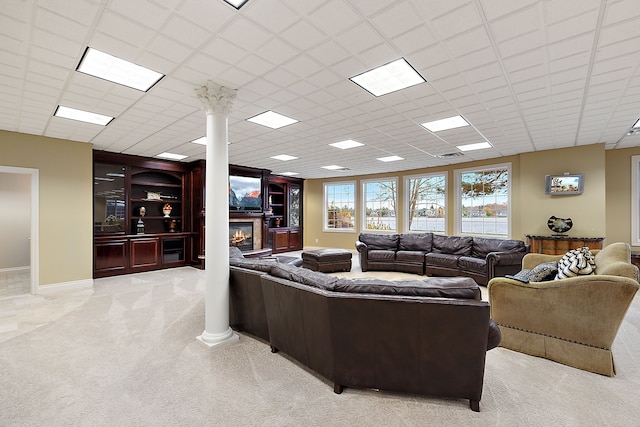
(217, 102)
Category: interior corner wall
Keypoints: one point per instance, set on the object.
(65, 202)
(15, 215)
(586, 210)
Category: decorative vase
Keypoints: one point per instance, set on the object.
(559, 225)
(166, 210)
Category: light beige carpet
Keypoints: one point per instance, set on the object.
(128, 357)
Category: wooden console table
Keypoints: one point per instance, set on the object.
(558, 244)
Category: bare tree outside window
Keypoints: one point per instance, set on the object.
(380, 204)
(484, 201)
(427, 203)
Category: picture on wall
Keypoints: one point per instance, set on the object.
(563, 185)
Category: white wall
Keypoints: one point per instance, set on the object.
(15, 219)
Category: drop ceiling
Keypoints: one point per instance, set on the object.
(527, 75)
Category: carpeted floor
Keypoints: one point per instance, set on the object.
(126, 355)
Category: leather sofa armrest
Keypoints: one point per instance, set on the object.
(363, 249)
(505, 258)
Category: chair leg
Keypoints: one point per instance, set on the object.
(474, 405)
(274, 349)
(337, 388)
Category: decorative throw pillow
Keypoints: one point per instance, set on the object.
(543, 272)
(521, 276)
(576, 262)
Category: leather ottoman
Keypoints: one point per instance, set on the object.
(327, 260)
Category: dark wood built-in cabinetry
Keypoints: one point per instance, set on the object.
(141, 214)
(150, 214)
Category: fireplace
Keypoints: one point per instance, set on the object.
(241, 235)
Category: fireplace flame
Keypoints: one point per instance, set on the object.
(238, 237)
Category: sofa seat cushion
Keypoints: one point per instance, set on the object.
(477, 265)
(410, 256)
(258, 264)
(416, 242)
(442, 287)
(483, 246)
(454, 245)
(381, 255)
(380, 241)
(441, 260)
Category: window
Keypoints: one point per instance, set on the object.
(340, 206)
(426, 199)
(635, 200)
(483, 201)
(380, 204)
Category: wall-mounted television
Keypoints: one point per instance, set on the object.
(245, 193)
(564, 185)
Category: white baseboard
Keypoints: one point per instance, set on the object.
(55, 288)
(14, 269)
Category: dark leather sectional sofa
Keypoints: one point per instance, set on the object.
(438, 255)
(420, 336)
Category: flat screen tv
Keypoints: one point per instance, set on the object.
(245, 193)
(564, 185)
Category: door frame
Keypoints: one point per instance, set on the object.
(34, 245)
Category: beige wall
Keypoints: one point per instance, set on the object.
(618, 199)
(65, 202)
(531, 207)
(15, 217)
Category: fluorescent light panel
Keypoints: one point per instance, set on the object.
(446, 124)
(636, 125)
(236, 3)
(476, 146)
(203, 141)
(333, 167)
(388, 78)
(82, 116)
(390, 159)
(272, 119)
(172, 156)
(284, 157)
(288, 173)
(344, 145)
(116, 70)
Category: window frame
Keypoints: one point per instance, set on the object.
(325, 207)
(363, 219)
(457, 209)
(407, 199)
(635, 201)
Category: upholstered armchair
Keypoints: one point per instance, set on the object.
(573, 321)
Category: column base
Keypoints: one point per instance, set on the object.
(212, 341)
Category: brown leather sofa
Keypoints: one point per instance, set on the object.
(438, 255)
(419, 336)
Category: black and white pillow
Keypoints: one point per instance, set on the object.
(543, 272)
(576, 262)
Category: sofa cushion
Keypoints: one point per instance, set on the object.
(446, 287)
(543, 272)
(416, 242)
(441, 260)
(454, 245)
(304, 276)
(381, 255)
(380, 241)
(576, 262)
(410, 256)
(235, 252)
(483, 246)
(257, 264)
(477, 265)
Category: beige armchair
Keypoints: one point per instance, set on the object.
(573, 321)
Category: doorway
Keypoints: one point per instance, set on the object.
(19, 259)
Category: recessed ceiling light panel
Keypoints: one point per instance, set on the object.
(172, 156)
(476, 146)
(446, 124)
(82, 116)
(288, 173)
(344, 145)
(114, 69)
(388, 78)
(636, 125)
(335, 168)
(390, 159)
(272, 119)
(284, 157)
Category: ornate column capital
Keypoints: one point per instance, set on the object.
(216, 98)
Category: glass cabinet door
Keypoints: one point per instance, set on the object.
(108, 198)
(294, 205)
